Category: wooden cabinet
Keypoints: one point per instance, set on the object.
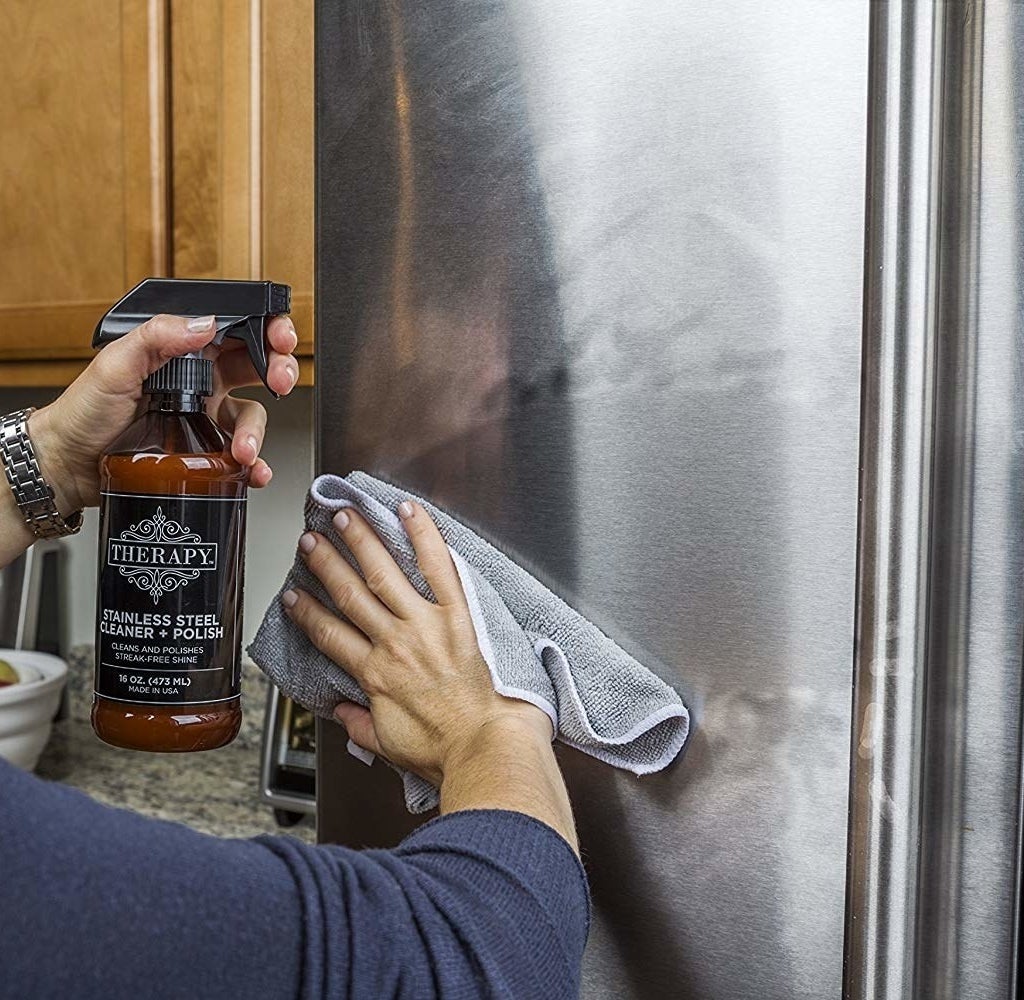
(146, 137)
(287, 155)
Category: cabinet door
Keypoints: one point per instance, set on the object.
(141, 137)
(215, 129)
(242, 156)
(287, 156)
(83, 192)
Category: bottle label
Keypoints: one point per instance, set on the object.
(169, 615)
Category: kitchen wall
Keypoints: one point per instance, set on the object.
(275, 513)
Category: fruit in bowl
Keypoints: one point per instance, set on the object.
(8, 675)
(24, 673)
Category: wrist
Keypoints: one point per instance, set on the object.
(514, 735)
(508, 763)
(522, 725)
(46, 443)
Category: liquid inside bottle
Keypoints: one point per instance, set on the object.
(169, 603)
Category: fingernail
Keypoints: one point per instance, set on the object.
(406, 509)
(293, 373)
(341, 520)
(288, 598)
(307, 542)
(198, 323)
(254, 444)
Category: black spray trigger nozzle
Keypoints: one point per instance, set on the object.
(252, 332)
(242, 310)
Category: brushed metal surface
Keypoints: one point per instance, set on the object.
(905, 137)
(935, 819)
(590, 275)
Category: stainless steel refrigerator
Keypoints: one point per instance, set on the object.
(710, 315)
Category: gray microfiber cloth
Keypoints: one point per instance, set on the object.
(599, 698)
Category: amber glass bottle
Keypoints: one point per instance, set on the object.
(169, 603)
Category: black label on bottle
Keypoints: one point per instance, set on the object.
(169, 615)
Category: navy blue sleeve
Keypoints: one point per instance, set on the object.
(99, 902)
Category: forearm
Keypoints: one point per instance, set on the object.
(97, 901)
(505, 766)
(15, 534)
(472, 905)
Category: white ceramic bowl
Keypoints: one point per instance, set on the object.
(27, 708)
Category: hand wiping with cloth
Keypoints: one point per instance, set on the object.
(536, 648)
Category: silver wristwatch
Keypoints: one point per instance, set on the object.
(33, 494)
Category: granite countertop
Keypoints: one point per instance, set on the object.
(216, 791)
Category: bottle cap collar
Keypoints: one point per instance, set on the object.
(186, 375)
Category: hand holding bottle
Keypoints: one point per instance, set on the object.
(72, 433)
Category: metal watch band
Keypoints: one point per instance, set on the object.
(33, 494)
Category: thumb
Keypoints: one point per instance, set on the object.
(125, 364)
(359, 723)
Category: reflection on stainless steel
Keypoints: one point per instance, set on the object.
(934, 874)
(895, 496)
(590, 276)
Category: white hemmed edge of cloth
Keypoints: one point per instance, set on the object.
(483, 640)
(645, 725)
(360, 753)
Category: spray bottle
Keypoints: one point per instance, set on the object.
(172, 534)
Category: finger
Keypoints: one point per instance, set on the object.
(432, 555)
(358, 723)
(260, 474)
(246, 420)
(336, 639)
(234, 369)
(125, 364)
(380, 571)
(281, 335)
(350, 594)
(282, 373)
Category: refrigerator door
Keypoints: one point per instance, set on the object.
(590, 277)
(934, 875)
